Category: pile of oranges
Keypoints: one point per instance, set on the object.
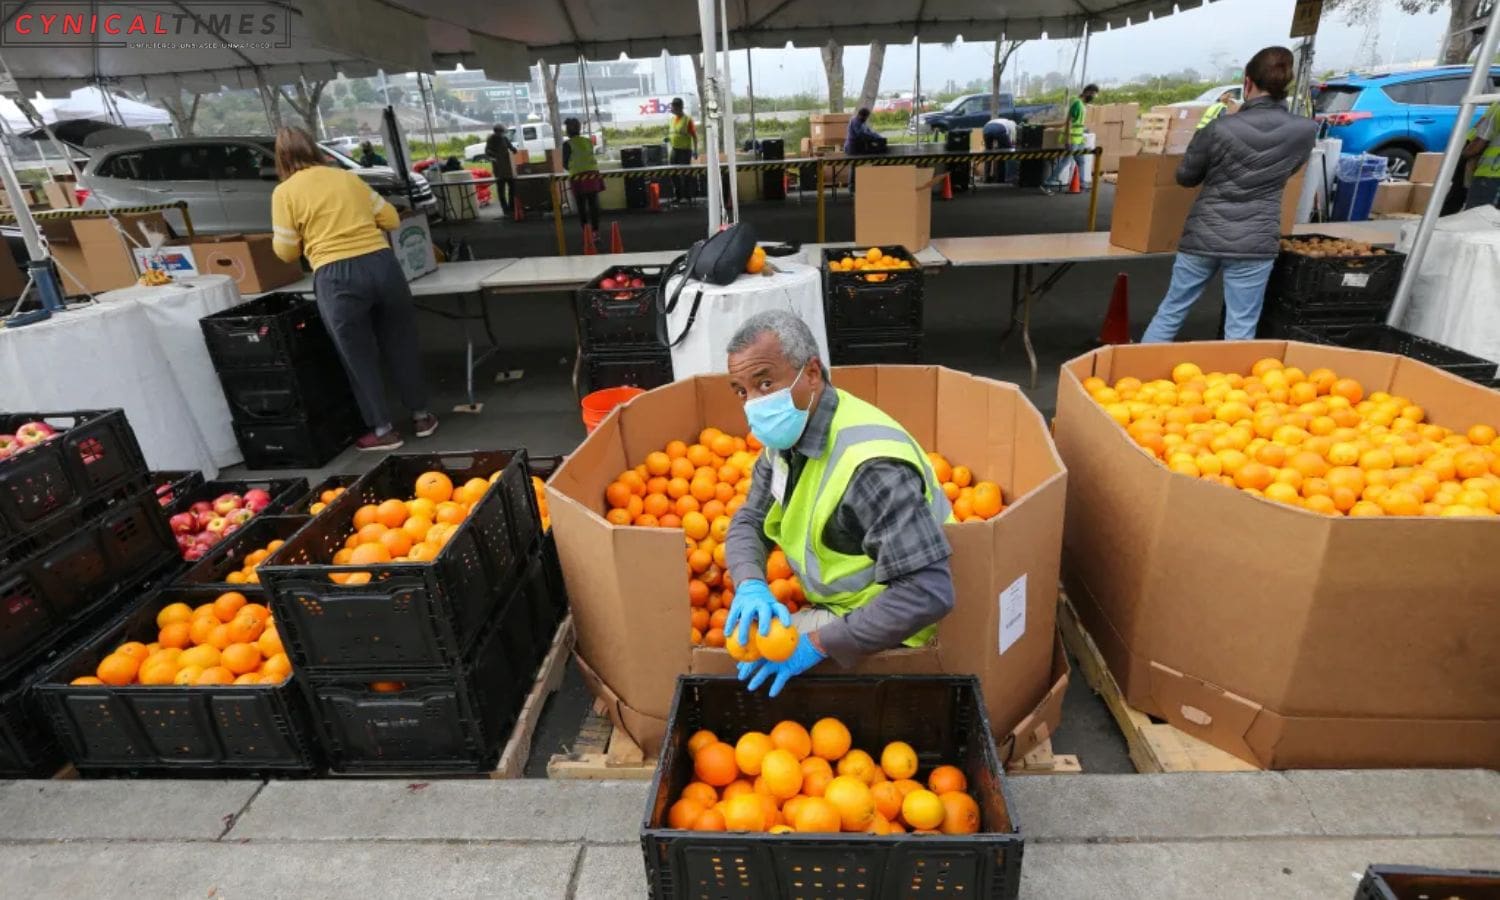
(971, 500)
(323, 500)
(412, 530)
(1312, 440)
(247, 573)
(811, 781)
(228, 641)
(539, 487)
(872, 259)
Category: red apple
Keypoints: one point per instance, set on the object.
(202, 506)
(184, 541)
(33, 433)
(257, 495)
(637, 282)
(231, 528)
(608, 284)
(205, 517)
(9, 445)
(240, 516)
(228, 503)
(194, 554)
(183, 523)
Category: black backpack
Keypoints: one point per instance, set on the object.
(718, 259)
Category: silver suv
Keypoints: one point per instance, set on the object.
(227, 182)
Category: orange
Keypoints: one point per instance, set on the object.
(710, 820)
(175, 634)
(245, 629)
(898, 760)
(685, 812)
(391, 513)
(117, 669)
(416, 528)
(216, 675)
(751, 750)
(830, 739)
(736, 788)
(277, 667)
(887, 799)
(434, 486)
(744, 813)
(240, 658)
(960, 812)
(617, 517)
(854, 802)
(963, 509)
(857, 764)
(814, 783)
(714, 763)
(699, 456)
(703, 489)
(135, 650)
(1347, 388)
(173, 612)
(204, 656)
(811, 764)
(782, 773)
(792, 737)
(631, 479)
(676, 449)
(85, 679)
(658, 463)
(397, 543)
(947, 778)
(656, 505)
(705, 795)
(922, 809)
(218, 638)
(700, 560)
(1481, 435)
(740, 651)
(907, 785)
(371, 533)
(617, 495)
(779, 642)
(695, 526)
(247, 678)
(365, 515)
(816, 814)
(368, 554)
(987, 501)
(187, 675)
(962, 476)
(474, 489)
(777, 565)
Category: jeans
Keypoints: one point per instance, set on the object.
(1063, 168)
(1244, 292)
(505, 193)
(366, 305)
(682, 184)
(588, 208)
(996, 138)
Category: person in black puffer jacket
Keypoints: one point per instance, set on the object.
(1243, 161)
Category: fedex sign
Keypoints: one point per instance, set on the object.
(656, 106)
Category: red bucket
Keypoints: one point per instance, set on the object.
(599, 404)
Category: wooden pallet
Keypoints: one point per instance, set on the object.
(1042, 761)
(1154, 746)
(602, 752)
(548, 679)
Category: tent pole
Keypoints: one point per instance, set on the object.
(427, 110)
(1478, 90)
(750, 68)
(731, 145)
(916, 94)
(1083, 77)
(710, 113)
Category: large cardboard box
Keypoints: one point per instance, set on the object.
(60, 193)
(1150, 207)
(412, 241)
(1392, 197)
(93, 256)
(1426, 168)
(1287, 638)
(893, 206)
(247, 258)
(1421, 195)
(12, 279)
(629, 596)
(829, 129)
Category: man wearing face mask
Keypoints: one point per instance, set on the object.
(850, 498)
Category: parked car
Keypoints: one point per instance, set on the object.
(533, 137)
(1395, 115)
(227, 182)
(973, 110)
(1212, 95)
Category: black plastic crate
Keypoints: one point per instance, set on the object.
(1419, 883)
(271, 330)
(27, 749)
(282, 490)
(621, 317)
(880, 299)
(229, 554)
(452, 720)
(303, 505)
(1328, 283)
(942, 717)
(414, 614)
(299, 444)
(227, 729)
(1385, 339)
(298, 390)
(86, 572)
(645, 370)
(94, 453)
(1279, 323)
(876, 348)
(171, 485)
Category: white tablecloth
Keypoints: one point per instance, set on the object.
(797, 287)
(1453, 297)
(139, 349)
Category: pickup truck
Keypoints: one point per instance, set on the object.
(973, 110)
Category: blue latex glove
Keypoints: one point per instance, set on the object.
(803, 658)
(753, 603)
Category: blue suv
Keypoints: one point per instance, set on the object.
(1397, 115)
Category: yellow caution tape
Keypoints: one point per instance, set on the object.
(59, 215)
(787, 164)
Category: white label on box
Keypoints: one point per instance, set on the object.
(1012, 613)
(1356, 279)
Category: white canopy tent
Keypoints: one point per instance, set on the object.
(91, 103)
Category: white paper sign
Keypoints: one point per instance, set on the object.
(1356, 279)
(1012, 613)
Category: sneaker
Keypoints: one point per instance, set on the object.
(372, 442)
(424, 425)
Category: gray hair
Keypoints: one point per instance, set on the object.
(798, 346)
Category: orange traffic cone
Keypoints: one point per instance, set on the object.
(588, 241)
(616, 244)
(947, 186)
(1116, 328)
(1077, 186)
(653, 190)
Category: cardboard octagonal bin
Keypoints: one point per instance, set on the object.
(1288, 638)
(630, 598)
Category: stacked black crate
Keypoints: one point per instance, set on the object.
(622, 331)
(636, 191)
(420, 666)
(80, 527)
(1320, 281)
(286, 387)
(874, 314)
(773, 181)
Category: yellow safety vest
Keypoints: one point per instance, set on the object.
(581, 156)
(1489, 161)
(681, 133)
(1075, 122)
(1213, 112)
(837, 581)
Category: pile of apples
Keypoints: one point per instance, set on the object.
(28, 435)
(209, 521)
(621, 280)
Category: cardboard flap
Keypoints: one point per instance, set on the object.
(1039, 724)
(1205, 711)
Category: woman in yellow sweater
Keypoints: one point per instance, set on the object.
(330, 215)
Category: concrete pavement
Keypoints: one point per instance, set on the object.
(1282, 835)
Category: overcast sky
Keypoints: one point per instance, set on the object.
(1224, 33)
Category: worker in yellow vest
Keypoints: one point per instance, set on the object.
(1483, 153)
(1062, 173)
(850, 498)
(682, 138)
(1220, 107)
(583, 173)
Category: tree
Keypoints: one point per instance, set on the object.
(184, 111)
(306, 101)
(363, 91)
(833, 70)
(1004, 50)
(1457, 42)
(549, 86)
(873, 72)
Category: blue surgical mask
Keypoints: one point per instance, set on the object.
(775, 420)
